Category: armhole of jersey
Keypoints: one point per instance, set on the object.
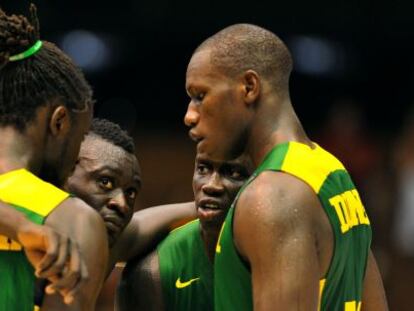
(29, 194)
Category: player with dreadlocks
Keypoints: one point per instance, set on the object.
(45, 111)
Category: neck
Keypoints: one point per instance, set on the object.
(210, 237)
(16, 151)
(276, 122)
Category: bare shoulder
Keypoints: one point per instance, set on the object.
(74, 214)
(279, 211)
(73, 210)
(277, 196)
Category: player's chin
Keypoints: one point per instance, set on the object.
(211, 217)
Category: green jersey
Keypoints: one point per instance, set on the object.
(35, 199)
(341, 287)
(185, 270)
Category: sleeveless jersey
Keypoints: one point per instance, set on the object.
(35, 199)
(341, 287)
(185, 270)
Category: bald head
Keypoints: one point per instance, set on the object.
(243, 47)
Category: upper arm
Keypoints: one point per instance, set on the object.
(149, 226)
(140, 286)
(373, 295)
(9, 220)
(82, 224)
(273, 231)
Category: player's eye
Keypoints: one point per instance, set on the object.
(200, 96)
(106, 183)
(131, 194)
(202, 169)
(236, 173)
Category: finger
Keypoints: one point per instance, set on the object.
(56, 268)
(84, 276)
(50, 290)
(52, 242)
(71, 276)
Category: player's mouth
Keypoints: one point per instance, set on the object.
(209, 209)
(113, 225)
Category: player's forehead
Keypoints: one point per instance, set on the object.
(200, 70)
(199, 60)
(242, 161)
(100, 153)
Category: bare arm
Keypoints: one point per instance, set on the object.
(148, 227)
(140, 286)
(51, 254)
(373, 296)
(80, 222)
(11, 221)
(273, 231)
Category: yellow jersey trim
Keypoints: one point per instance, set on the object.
(186, 224)
(321, 288)
(311, 165)
(22, 188)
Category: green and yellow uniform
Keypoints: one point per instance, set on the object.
(185, 270)
(36, 199)
(341, 287)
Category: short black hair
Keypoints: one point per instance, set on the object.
(38, 80)
(241, 47)
(113, 133)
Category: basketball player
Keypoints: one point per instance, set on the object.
(107, 177)
(179, 274)
(297, 236)
(45, 110)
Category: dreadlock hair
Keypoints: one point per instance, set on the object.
(113, 133)
(38, 80)
(241, 47)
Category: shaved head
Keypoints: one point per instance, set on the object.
(243, 47)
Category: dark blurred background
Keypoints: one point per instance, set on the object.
(352, 87)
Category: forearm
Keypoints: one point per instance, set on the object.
(88, 230)
(165, 217)
(94, 246)
(149, 226)
(10, 221)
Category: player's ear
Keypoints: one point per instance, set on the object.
(251, 86)
(59, 123)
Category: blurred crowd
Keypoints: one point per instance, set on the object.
(383, 168)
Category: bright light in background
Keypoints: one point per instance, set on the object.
(88, 50)
(316, 56)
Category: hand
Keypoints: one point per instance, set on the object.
(54, 257)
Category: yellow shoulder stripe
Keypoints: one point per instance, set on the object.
(24, 189)
(184, 225)
(321, 288)
(311, 165)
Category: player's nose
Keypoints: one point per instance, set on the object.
(119, 204)
(192, 116)
(214, 185)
